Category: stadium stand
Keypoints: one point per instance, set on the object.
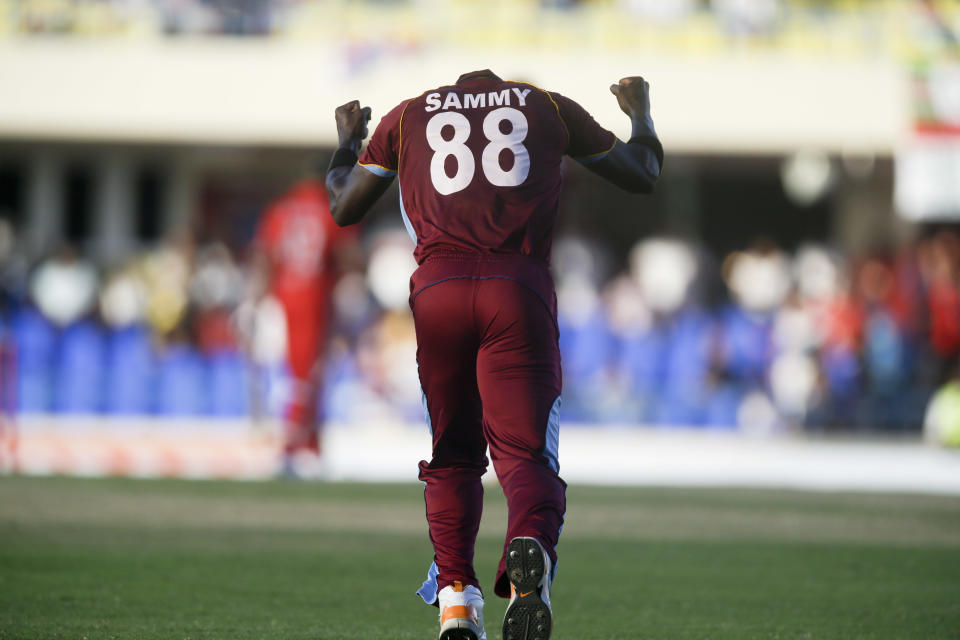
(865, 347)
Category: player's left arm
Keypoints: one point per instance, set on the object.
(634, 165)
(352, 189)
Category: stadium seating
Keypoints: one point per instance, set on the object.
(746, 348)
(687, 368)
(35, 340)
(229, 391)
(131, 366)
(181, 387)
(80, 360)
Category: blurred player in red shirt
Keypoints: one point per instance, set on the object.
(296, 246)
(479, 165)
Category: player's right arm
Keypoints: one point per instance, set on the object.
(352, 189)
(635, 165)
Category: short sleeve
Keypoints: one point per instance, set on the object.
(588, 141)
(382, 154)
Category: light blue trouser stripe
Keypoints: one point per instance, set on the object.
(552, 452)
(428, 591)
(426, 409)
(553, 571)
(552, 448)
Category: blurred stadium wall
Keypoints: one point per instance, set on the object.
(127, 83)
(131, 127)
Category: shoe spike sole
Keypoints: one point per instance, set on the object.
(527, 617)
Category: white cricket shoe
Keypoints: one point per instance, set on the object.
(461, 613)
(528, 616)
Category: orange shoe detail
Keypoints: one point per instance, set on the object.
(458, 611)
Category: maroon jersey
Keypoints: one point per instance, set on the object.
(479, 164)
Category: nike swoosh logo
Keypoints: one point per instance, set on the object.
(524, 595)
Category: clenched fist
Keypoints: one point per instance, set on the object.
(352, 122)
(633, 95)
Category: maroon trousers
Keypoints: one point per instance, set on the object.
(490, 371)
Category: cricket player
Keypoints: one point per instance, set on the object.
(295, 259)
(479, 164)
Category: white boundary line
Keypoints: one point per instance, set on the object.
(389, 452)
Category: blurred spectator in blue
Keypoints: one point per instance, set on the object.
(585, 340)
(64, 288)
(884, 355)
(130, 353)
(671, 360)
(759, 282)
(378, 378)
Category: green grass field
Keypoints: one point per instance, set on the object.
(176, 560)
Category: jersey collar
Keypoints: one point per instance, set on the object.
(476, 75)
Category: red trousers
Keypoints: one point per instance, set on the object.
(490, 371)
(306, 313)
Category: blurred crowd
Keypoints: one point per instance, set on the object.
(761, 340)
(262, 17)
(868, 26)
(182, 329)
